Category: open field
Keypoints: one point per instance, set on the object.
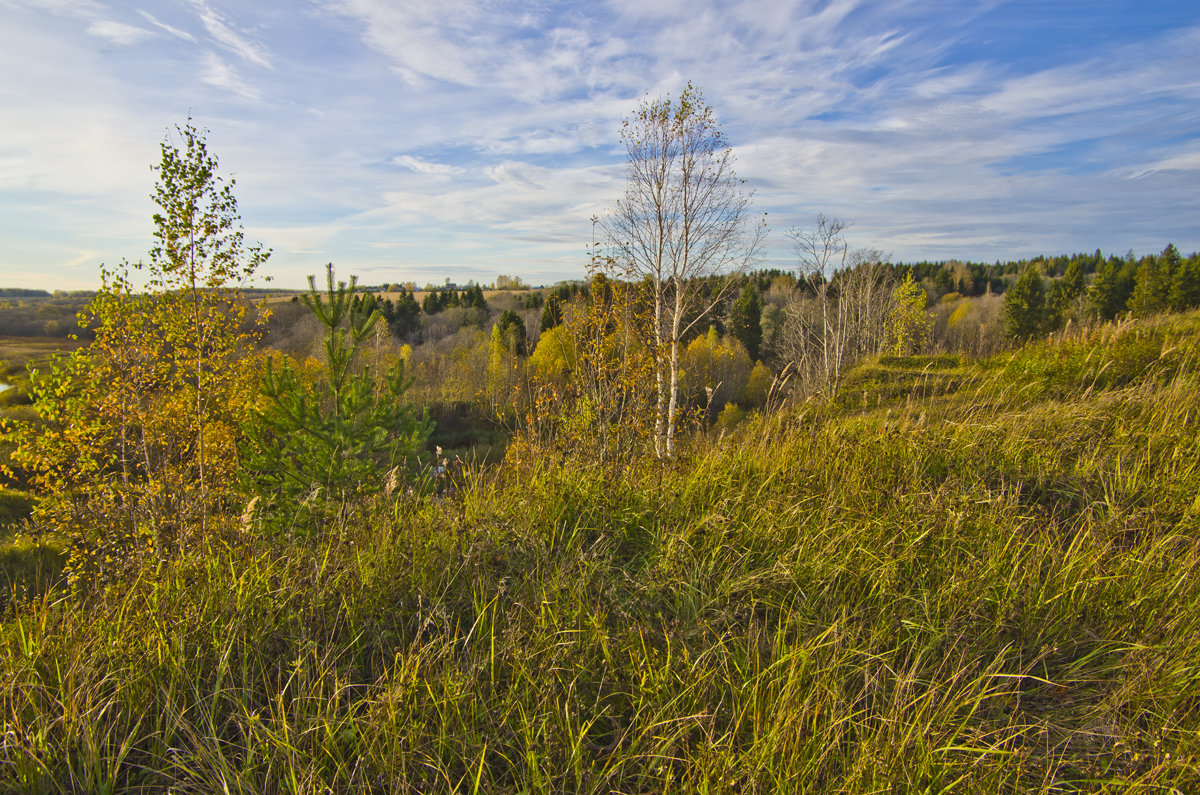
(17, 354)
(971, 576)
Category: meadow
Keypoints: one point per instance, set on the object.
(963, 575)
(18, 354)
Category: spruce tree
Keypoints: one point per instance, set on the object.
(319, 453)
(745, 320)
(1025, 305)
(511, 330)
(1102, 295)
(1152, 292)
(1185, 285)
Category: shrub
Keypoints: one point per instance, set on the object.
(730, 416)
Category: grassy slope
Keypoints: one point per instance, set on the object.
(968, 576)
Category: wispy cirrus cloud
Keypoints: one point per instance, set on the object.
(1187, 160)
(72, 8)
(461, 136)
(171, 29)
(427, 167)
(217, 72)
(118, 32)
(232, 40)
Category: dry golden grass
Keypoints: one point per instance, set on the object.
(985, 584)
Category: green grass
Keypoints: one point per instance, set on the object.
(975, 577)
(15, 506)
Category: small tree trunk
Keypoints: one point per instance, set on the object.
(661, 447)
(674, 403)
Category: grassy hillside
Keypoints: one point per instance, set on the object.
(975, 576)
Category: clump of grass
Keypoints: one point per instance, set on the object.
(15, 506)
(990, 588)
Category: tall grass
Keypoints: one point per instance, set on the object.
(976, 576)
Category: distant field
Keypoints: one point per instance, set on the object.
(17, 353)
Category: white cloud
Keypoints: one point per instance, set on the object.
(86, 9)
(539, 142)
(174, 31)
(517, 174)
(500, 137)
(428, 167)
(1184, 161)
(118, 32)
(229, 38)
(420, 37)
(299, 239)
(222, 75)
(537, 204)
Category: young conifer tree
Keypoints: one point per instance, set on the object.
(1025, 305)
(745, 320)
(318, 453)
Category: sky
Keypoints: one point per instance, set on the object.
(427, 140)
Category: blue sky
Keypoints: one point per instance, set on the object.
(411, 139)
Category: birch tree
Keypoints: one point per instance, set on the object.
(685, 215)
(815, 335)
(847, 314)
(199, 260)
(135, 453)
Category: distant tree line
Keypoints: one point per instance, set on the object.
(976, 278)
(402, 316)
(439, 300)
(20, 292)
(1153, 284)
(36, 313)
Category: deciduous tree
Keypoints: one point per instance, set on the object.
(200, 253)
(685, 215)
(847, 316)
(137, 448)
(909, 318)
(591, 390)
(716, 370)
